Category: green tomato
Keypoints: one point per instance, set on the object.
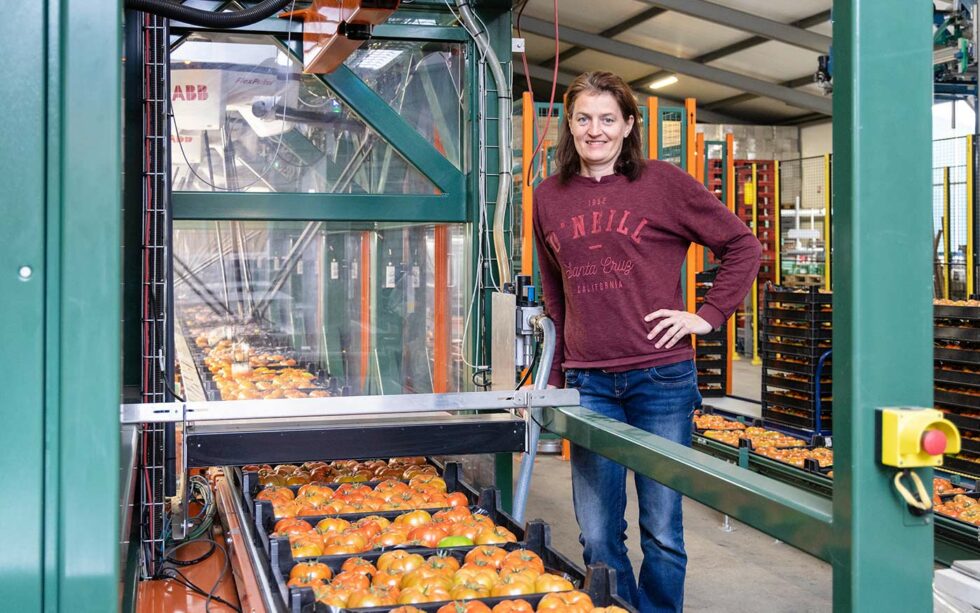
(455, 541)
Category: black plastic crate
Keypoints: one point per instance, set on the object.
(962, 355)
(956, 399)
(774, 310)
(941, 311)
(805, 424)
(963, 422)
(807, 387)
(808, 333)
(278, 546)
(779, 398)
(956, 378)
(962, 465)
(957, 333)
(812, 295)
(599, 583)
(772, 361)
(792, 350)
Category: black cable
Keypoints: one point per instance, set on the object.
(175, 575)
(196, 560)
(209, 19)
(534, 362)
(217, 582)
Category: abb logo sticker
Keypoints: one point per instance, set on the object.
(189, 92)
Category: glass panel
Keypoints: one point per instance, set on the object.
(422, 81)
(246, 119)
(296, 309)
(422, 18)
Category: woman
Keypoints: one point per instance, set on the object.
(612, 232)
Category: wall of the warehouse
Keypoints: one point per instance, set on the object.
(757, 142)
(816, 140)
(949, 121)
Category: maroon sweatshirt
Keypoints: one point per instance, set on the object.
(610, 252)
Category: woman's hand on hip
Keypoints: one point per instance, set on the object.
(677, 324)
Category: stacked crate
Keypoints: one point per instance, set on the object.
(957, 377)
(796, 333)
(765, 210)
(710, 350)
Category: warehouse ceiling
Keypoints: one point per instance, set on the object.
(745, 61)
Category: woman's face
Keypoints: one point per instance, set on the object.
(598, 129)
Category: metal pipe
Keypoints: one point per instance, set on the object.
(221, 259)
(504, 111)
(547, 328)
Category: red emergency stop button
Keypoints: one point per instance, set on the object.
(934, 442)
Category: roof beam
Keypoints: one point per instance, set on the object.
(733, 100)
(544, 75)
(740, 20)
(745, 83)
(635, 20)
(742, 45)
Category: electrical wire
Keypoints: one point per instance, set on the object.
(551, 100)
(176, 575)
(261, 175)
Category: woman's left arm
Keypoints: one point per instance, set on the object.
(703, 219)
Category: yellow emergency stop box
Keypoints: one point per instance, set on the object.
(902, 432)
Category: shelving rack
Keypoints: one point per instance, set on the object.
(711, 351)
(796, 370)
(957, 378)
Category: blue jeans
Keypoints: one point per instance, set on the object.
(660, 400)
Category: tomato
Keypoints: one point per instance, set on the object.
(513, 588)
(610, 609)
(389, 538)
(331, 525)
(510, 575)
(414, 519)
(427, 593)
(372, 597)
(350, 539)
(428, 479)
(447, 564)
(290, 526)
(473, 606)
(467, 528)
(428, 535)
(485, 576)
(457, 499)
(566, 601)
(304, 582)
(334, 595)
(399, 561)
(513, 606)
(490, 556)
(351, 580)
(385, 579)
(311, 571)
(407, 609)
(552, 583)
(521, 559)
(305, 546)
(359, 565)
(273, 492)
(498, 534)
(425, 576)
(465, 591)
(453, 515)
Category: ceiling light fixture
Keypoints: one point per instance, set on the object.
(664, 82)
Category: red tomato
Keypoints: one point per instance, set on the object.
(487, 555)
(311, 571)
(513, 606)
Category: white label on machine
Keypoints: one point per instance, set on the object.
(353, 270)
(828, 442)
(334, 270)
(186, 147)
(196, 99)
(416, 275)
(390, 275)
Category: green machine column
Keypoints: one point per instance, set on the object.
(60, 282)
(883, 310)
(22, 174)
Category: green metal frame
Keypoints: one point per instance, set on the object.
(60, 324)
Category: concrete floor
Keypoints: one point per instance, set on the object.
(739, 571)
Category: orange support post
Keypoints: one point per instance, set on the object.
(653, 130)
(365, 271)
(730, 203)
(527, 191)
(440, 352)
(690, 140)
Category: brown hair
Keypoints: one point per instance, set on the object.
(630, 162)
